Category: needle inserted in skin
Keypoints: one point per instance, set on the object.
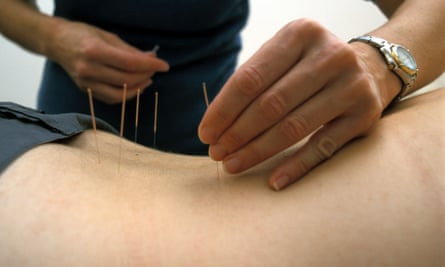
(124, 97)
(93, 119)
(155, 120)
(206, 98)
(136, 122)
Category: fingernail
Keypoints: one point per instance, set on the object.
(217, 152)
(232, 165)
(280, 183)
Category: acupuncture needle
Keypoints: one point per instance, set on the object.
(136, 122)
(93, 119)
(124, 97)
(155, 120)
(121, 133)
(206, 98)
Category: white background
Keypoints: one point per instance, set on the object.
(20, 71)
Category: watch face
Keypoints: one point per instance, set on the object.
(405, 60)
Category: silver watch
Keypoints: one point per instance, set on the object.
(398, 59)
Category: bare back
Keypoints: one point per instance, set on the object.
(381, 200)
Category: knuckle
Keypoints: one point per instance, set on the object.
(297, 30)
(232, 140)
(307, 27)
(365, 95)
(294, 127)
(318, 151)
(325, 148)
(89, 47)
(81, 69)
(368, 97)
(362, 79)
(333, 53)
(319, 155)
(250, 81)
(343, 51)
(273, 106)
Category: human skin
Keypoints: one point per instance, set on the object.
(379, 202)
(306, 80)
(92, 57)
(269, 103)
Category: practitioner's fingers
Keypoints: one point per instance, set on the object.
(320, 147)
(271, 62)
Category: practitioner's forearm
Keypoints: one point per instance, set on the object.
(23, 23)
(388, 7)
(420, 26)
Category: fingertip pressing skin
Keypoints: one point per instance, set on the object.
(217, 152)
(233, 165)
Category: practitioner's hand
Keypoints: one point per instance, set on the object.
(101, 61)
(302, 81)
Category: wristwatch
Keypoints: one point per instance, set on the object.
(398, 59)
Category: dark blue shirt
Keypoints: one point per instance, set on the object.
(199, 38)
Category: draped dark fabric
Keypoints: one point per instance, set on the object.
(22, 128)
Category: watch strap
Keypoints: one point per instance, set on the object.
(385, 49)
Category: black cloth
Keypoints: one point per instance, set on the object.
(22, 128)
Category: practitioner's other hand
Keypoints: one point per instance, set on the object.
(102, 61)
(302, 81)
